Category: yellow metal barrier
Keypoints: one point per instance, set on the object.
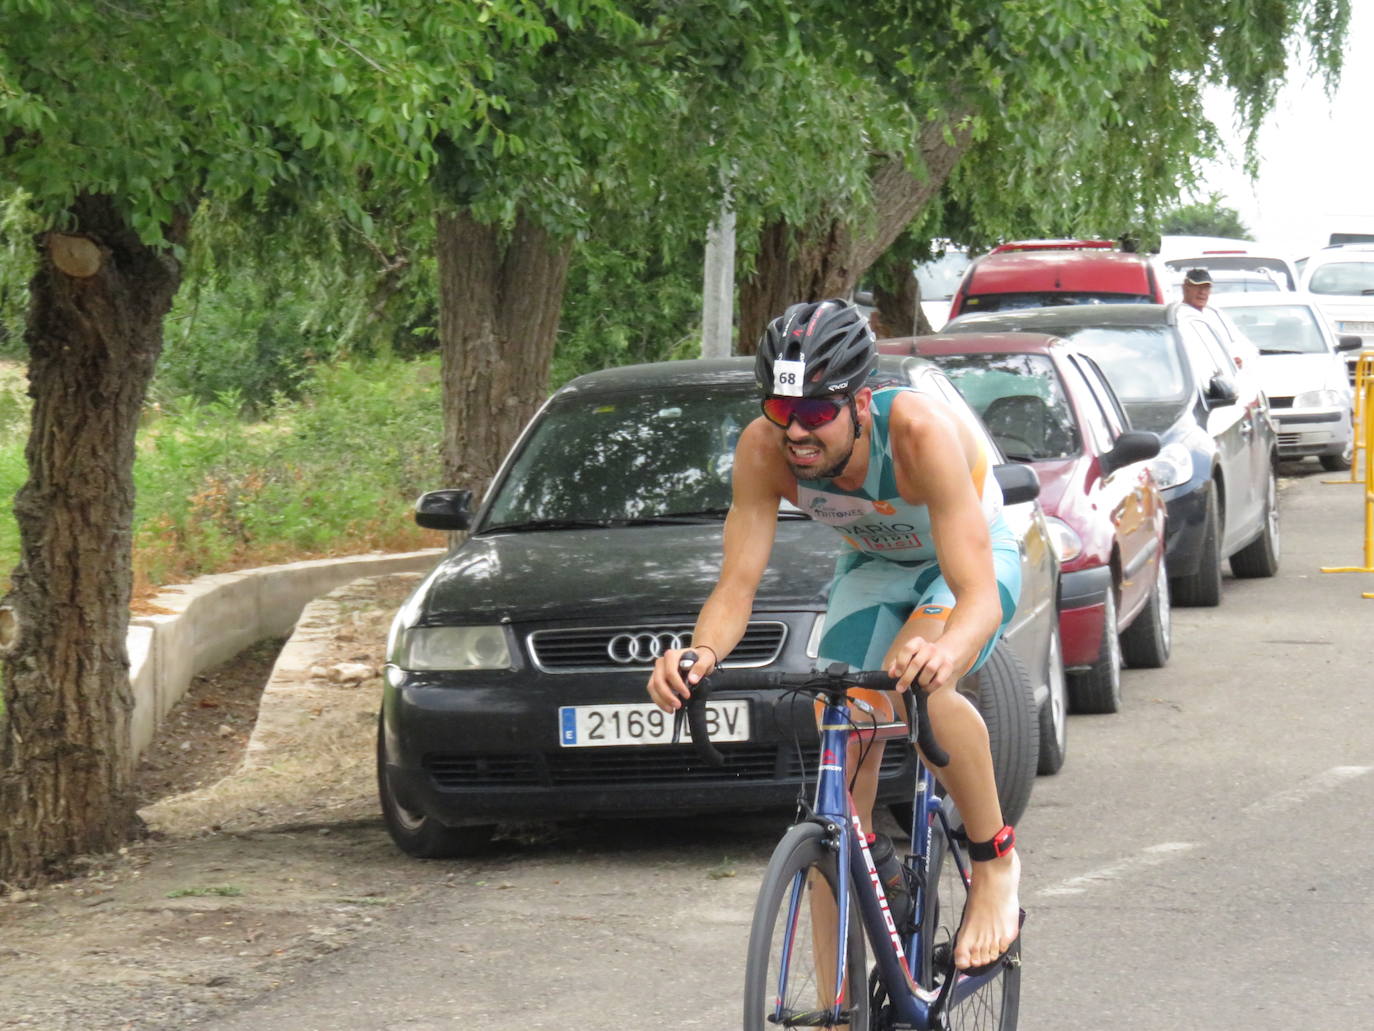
(1365, 404)
(1364, 375)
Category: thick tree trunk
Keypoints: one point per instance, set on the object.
(94, 334)
(500, 294)
(828, 260)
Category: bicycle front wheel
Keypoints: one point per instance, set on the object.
(993, 1005)
(790, 973)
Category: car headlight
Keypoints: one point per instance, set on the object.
(1065, 541)
(451, 648)
(1317, 399)
(1172, 466)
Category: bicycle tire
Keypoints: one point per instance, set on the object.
(802, 852)
(995, 1005)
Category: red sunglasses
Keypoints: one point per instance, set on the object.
(811, 412)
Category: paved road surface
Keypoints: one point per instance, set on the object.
(1205, 859)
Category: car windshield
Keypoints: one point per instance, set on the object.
(1046, 299)
(1236, 262)
(1344, 278)
(1020, 399)
(1144, 367)
(624, 459)
(1281, 329)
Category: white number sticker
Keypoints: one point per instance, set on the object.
(788, 378)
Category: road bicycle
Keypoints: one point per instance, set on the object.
(795, 977)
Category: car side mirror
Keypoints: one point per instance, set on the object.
(445, 509)
(1221, 391)
(1350, 343)
(1018, 482)
(1131, 446)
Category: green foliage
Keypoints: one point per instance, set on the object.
(16, 268)
(625, 305)
(333, 472)
(1204, 218)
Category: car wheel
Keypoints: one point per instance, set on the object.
(1003, 693)
(1098, 688)
(417, 833)
(1146, 643)
(1203, 588)
(1340, 463)
(1261, 556)
(1054, 713)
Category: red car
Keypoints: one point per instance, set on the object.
(1040, 273)
(1047, 403)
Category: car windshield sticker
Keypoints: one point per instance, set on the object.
(788, 377)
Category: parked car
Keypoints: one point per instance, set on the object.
(1216, 470)
(938, 279)
(516, 672)
(1046, 403)
(1036, 274)
(1302, 370)
(1238, 269)
(1342, 280)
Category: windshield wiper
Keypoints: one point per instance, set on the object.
(1282, 350)
(705, 515)
(551, 524)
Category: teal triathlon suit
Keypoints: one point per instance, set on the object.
(890, 569)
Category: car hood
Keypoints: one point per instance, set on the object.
(1283, 375)
(1057, 476)
(648, 570)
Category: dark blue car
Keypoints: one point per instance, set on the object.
(1216, 470)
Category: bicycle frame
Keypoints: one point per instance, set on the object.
(913, 1004)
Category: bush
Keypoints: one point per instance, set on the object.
(335, 472)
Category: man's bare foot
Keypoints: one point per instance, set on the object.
(992, 918)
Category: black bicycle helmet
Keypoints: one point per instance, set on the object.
(831, 340)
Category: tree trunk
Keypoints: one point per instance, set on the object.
(500, 294)
(828, 260)
(94, 333)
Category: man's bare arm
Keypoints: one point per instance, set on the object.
(747, 542)
(933, 456)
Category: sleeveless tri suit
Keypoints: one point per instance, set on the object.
(889, 569)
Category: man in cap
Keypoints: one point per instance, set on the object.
(1197, 288)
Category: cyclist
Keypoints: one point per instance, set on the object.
(929, 579)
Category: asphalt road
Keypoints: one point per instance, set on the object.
(1204, 860)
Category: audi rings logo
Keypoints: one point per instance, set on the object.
(645, 647)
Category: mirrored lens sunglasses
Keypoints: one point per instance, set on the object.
(811, 412)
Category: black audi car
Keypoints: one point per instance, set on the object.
(516, 672)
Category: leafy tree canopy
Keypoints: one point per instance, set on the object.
(1204, 218)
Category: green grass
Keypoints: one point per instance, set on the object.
(333, 473)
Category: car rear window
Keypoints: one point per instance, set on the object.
(1343, 278)
(625, 458)
(1144, 367)
(1046, 299)
(1281, 329)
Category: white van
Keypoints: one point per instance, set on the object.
(1341, 279)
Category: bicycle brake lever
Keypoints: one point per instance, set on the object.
(684, 666)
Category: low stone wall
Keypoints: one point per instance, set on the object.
(203, 623)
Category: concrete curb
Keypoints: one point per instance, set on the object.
(213, 618)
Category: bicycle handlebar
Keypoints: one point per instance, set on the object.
(833, 683)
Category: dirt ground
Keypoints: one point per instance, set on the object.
(248, 869)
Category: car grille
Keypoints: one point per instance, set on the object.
(1280, 402)
(1290, 439)
(588, 649)
(597, 766)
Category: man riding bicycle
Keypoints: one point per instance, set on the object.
(930, 577)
